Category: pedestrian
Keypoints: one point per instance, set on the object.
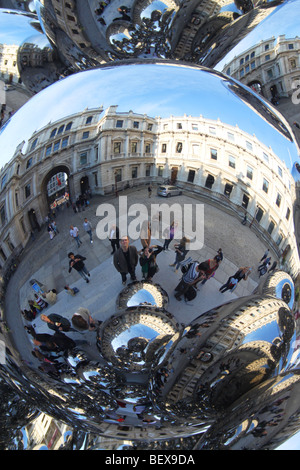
(169, 235)
(273, 267)
(40, 301)
(88, 228)
(266, 262)
(148, 261)
(114, 238)
(244, 221)
(232, 281)
(194, 274)
(74, 232)
(181, 252)
(51, 231)
(77, 262)
(265, 255)
(213, 265)
(54, 227)
(56, 322)
(146, 233)
(82, 320)
(126, 259)
(149, 190)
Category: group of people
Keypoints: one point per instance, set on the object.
(74, 232)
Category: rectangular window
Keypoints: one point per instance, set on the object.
(148, 169)
(280, 171)
(2, 215)
(195, 127)
(83, 158)
(191, 176)
(85, 135)
(150, 127)
(179, 125)
(266, 157)
(147, 148)
(230, 136)
(245, 201)
(119, 123)
(29, 163)
(134, 172)
(249, 172)
(27, 191)
(278, 200)
(249, 146)
(160, 171)
(212, 130)
(271, 227)
(48, 150)
(259, 214)
(56, 146)
(133, 147)
(265, 185)
(231, 161)
(288, 212)
(213, 154)
(136, 124)
(89, 119)
(164, 148)
(117, 147)
(118, 175)
(179, 147)
(64, 142)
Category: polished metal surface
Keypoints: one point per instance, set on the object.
(228, 379)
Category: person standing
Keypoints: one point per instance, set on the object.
(195, 273)
(148, 261)
(56, 322)
(88, 228)
(181, 252)
(149, 190)
(232, 281)
(74, 232)
(169, 235)
(126, 259)
(114, 238)
(265, 255)
(77, 262)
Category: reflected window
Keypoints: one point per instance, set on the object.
(228, 189)
(252, 65)
(249, 172)
(2, 215)
(212, 130)
(213, 154)
(209, 181)
(195, 127)
(136, 124)
(27, 191)
(267, 57)
(249, 145)
(133, 147)
(271, 227)
(68, 126)
(85, 135)
(48, 150)
(164, 148)
(280, 171)
(148, 170)
(231, 161)
(150, 127)
(179, 147)
(61, 129)
(259, 214)
(230, 136)
(265, 185)
(245, 201)
(56, 146)
(29, 163)
(64, 142)
(279, 239)
(278, 200)
(83, 158)
(179, 125)
(134, 172)
(117, 147)
(53, 133)
(33, 145)
(160, 171)
(196, 149)
(288, 212)
(119, 123)
(242, 73)
(191, 176)
(89, 119)
(266, 157)
(118, 175)
(147, 148)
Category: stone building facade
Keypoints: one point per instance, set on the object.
(106, 151)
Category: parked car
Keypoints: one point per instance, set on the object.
(168, 191)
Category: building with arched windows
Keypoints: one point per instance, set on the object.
(105, 150)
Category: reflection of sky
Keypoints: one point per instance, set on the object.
(265, 333)
(140, 297)
(135, 331)
(14, 28)
(155, 90)
(283, 20)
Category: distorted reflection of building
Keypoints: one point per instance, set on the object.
(269, 67)
(98, 149)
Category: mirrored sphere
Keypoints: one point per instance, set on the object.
(142, 364)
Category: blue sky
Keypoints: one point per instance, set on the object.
(152, 89)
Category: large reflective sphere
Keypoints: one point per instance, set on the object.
(135, 358)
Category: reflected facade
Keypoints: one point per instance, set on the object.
(225, 378)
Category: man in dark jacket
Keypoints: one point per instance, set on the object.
(126, 259)
(77, 262)
(56, 322)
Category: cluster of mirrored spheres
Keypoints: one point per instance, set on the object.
(229, 379)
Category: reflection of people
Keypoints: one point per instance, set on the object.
(74, 232)
(146, 234)
(169, 235)
(126, 259)
(77, 262)
(148, 261)
(181, 252)
(50, 296)
(88, 228)
(195, 273)
(114, 238)
(232, 281)
(56, 322)
(82, 320)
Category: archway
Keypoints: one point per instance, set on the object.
(34, 225)
(55, 187)
(256, 86)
